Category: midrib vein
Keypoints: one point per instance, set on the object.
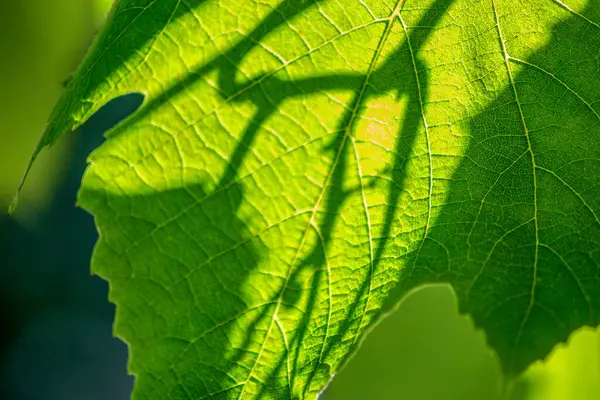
(369, 232)
(329, 307)
(347, 130)
(390, 24)
(534, 172)
(422, 110)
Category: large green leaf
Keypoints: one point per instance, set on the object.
(297, 160)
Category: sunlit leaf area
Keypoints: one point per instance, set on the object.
(300, 199)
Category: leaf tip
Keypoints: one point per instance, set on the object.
(15, 201)
(13, 204)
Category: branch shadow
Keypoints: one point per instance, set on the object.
(223, 239)
(348, 331)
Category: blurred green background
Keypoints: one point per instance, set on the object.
(56, 341)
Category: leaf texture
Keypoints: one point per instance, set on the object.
(299, 165)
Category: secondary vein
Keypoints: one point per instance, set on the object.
(534, 172)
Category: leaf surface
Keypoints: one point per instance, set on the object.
(298, 166)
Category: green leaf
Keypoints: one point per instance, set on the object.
(297, 160)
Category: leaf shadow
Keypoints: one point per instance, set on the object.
(188, 307)
(526, 177)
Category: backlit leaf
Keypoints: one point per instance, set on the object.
(299, 165)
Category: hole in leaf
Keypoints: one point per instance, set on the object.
(113, 112)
